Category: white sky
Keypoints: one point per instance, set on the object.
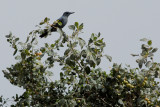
(121, 22)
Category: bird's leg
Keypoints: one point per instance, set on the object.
(60, 31)
(63, 33)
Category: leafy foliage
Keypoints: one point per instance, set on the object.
(3, 101)
(82, 82)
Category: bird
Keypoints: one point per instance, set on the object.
(59, 23)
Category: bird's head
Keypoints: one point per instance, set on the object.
(67, 13)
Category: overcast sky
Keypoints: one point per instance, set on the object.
(121, 22)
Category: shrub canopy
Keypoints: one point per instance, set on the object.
(82, 82)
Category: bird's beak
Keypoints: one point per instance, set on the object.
(72, 12)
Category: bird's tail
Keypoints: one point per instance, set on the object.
(46, 32)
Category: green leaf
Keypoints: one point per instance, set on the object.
(144, 40)
(83, 53)
(30, 33)
(72, 27)
(104, 90)
(149, 42)
(23, 55)
(134, 55)
(51, 53)
(81, 27)
(46, 45)
(41, 23)
(90, 41)
(81, 42)
(108, 57)
(42, 49)
(95, 38)
(72, 78)
(70, 62)
(27, 39)
(29, 46)
(74, 44)
(76, 24)
(140, 62)
(73, 73)
(26, 95)
(8, 36)
(33, 40)
(93, 81)
(156, 74)
(67, 52)
(73, 57)
(148, 64)
(91, 63)
(0, 99)
(46, 19)
(145, 47)
(99, 86)
(73, 103)
(18, 57)
(98, 61)
(154, 50)
(52, 45)
(120, 101)
(16, 39)
(97, 44)
(150, 54)
(99, 34)
(87, 69)
(49, 73)
(15, 51)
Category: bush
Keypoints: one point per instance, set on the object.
(82, 82)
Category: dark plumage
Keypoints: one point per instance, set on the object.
(60, 23)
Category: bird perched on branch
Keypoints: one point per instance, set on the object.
(59, 23)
